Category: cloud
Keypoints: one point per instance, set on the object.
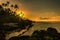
(49, 19)
(43, 18)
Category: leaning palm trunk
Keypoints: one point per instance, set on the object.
(15, 33)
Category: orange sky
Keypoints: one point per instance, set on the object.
(51, 19)
(33, 10)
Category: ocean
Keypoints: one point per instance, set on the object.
(37, 26)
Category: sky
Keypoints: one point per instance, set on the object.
(39, 9)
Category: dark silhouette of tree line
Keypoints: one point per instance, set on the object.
(7, 15)
(49, 34)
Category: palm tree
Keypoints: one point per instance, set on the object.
(7, 2)
(8, 17)
(3, 4)
(12, 6)
(16, 6)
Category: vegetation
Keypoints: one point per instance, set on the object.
(40, 35)
(8, 17)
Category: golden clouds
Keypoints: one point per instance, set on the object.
(48, 19)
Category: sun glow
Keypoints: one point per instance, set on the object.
(20, 14)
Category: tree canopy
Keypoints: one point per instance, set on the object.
(9, 16)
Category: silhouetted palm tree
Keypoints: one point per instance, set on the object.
(8, 16)
(8, 2)
(16, 6)
(3, 4)
(12, 6)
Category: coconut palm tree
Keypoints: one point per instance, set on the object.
(12, 6)
(16, 6)
(8, 2)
